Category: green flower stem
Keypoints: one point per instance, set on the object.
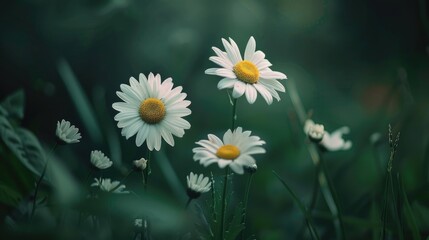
(234, 113)
(147, 171)
(225, 182)
(246, 199)
(224, 202)
(33, 210)
(315, 157)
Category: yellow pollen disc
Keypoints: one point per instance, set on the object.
(152, 110)
(228, 151)
(246, 71)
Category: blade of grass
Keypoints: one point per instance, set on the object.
(333, 200)
(111, 136)
(79, 99)
(301, 206)
(409, 215)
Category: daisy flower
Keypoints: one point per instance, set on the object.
(67, 133)
(330, 141)
(153, 110)
(197, 185)
(234, 151)
(106, 185)
(99, 160)
(248, 76)
(140, 164)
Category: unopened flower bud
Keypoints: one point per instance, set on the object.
(140, 164)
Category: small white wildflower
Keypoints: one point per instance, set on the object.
(334, 141)
(99, 160)
(197, 185)
(330, 141)
(140, 164)
(67, 133)
(106, 185)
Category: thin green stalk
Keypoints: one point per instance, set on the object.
(42, 175)
(147, 171)
(302, 207)
(234, 113)
(339, 220)
(224, 203)
(409, 212)
(326, 192)
(395, 209)
(246, 199)
(384, 210)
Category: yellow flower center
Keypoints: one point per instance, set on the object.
(152, 110)
(228, 151)
(246, 71)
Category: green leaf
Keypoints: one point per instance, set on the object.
(235, 226)
(409, 215)
(13, 104)
(24, 145)
(202, 226)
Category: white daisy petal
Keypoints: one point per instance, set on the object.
(272, 75)
(250, 93)
(226, 83)
(239, 89)
(223, 72)
(152, 110)
(250, 49)
(264, 93)
(230, 51)
(257, 57)
(221, 62)
(236, 50)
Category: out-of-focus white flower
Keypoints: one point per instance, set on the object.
(235, 150)
(248, 76)
(334, 141)
(99, 160)
(106, 185)
(330, 141)
(197, 185)
(140, 164)
(152, 110)
(67, 133)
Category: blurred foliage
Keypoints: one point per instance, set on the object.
(362, 64)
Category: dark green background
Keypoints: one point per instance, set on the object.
(361, 64)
